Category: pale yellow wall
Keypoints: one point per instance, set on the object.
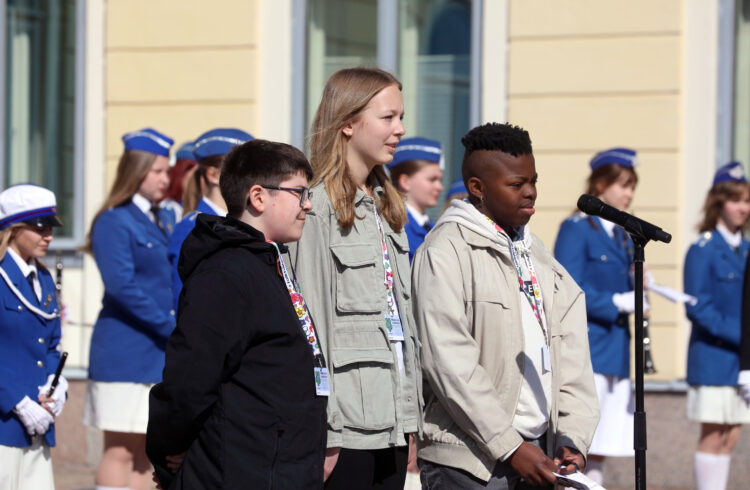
(586, 75)
(180, 66)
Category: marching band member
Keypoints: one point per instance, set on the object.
(29, 335)
(209, 150)
(128, 238)
(599, 255)
(416, 170)
(714, 270)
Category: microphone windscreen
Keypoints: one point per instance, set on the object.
(589, 204)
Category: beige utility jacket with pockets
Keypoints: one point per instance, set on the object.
(341, 275)
(469, 320)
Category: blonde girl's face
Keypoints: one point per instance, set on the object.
(155, 185)
(374, 135)
(735, 213)
(31, 241)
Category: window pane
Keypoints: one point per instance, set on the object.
(742, 85)
(341, 34)
(434, 65)
(40, 85)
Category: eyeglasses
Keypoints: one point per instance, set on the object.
(304, 192)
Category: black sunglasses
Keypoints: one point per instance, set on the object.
(304, 192)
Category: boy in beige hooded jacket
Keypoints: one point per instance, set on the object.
(510, 391)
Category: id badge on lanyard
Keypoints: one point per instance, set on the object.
(321, 381)
(395, 330)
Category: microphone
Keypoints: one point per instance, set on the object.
(635, 226)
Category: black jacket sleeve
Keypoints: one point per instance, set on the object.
(204, 349)
(745, 341)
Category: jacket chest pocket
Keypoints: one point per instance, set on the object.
(357, 287)
(362, 363)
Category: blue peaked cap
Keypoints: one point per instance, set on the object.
(417, 149)
(185, 152)
(219, 141)
(731, 172)
(456, 187)
(625, 157)
(149, 140)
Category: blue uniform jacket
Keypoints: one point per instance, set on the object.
(28, 349)
(713, 274)
(137, 317)
(180, 233)
(601, 267)
(415, 233)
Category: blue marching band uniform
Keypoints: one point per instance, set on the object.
(29, 337)
(714, 274)
(136, 318)
(218, 141)
(600, 265)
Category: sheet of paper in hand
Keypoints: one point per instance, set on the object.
(578, 480)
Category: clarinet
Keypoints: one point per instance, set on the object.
(648, 366)
(58, 278)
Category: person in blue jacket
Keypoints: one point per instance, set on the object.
(598, 254)
(714, 270)
(417, 171)
(209, 149)
(128, 238)
(29, 338)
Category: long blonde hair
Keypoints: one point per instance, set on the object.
(346, 94)
(133, 167)
(6, 236)
(716, 198)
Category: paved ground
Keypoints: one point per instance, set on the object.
(671, 441)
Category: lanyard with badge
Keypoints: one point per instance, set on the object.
(392, 318)
(308, 329)
(531, 290)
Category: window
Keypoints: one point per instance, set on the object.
(741, 116)
(40, 106)
(432, 57)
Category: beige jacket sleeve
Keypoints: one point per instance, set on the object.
(450, 355)
(577, 406)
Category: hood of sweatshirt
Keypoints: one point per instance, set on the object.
(215, 233)
(465, 214)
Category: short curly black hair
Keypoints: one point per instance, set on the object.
(507, 138)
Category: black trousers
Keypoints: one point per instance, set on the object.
(363, 469)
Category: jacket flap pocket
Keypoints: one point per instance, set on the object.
(353, 345)
(400, 241)
(354, 255)
(490, 295)
(345, 356)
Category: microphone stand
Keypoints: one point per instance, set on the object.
(639, 420)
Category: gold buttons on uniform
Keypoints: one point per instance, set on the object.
(20, 308)
(40, 340)
(731, 275)
(150, 245)
(39, 364)
(604, 258)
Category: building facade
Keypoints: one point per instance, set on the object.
(668, 78)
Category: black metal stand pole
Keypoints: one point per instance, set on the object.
(639, 429)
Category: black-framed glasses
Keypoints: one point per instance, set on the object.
(304, 192)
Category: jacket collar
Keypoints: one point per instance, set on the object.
(148, 225)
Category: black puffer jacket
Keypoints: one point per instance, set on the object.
(238, 393)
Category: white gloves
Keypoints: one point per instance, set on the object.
(56, 402)
(625, 302)
(33, 416)
(743, 380)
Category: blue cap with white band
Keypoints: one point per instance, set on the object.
(219, 141)
(410, 149)
(149, 140)
(731, 172)
(625, 157)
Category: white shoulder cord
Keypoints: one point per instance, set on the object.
(22, 298)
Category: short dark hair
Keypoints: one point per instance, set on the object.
(258, 162)
(507, 138)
